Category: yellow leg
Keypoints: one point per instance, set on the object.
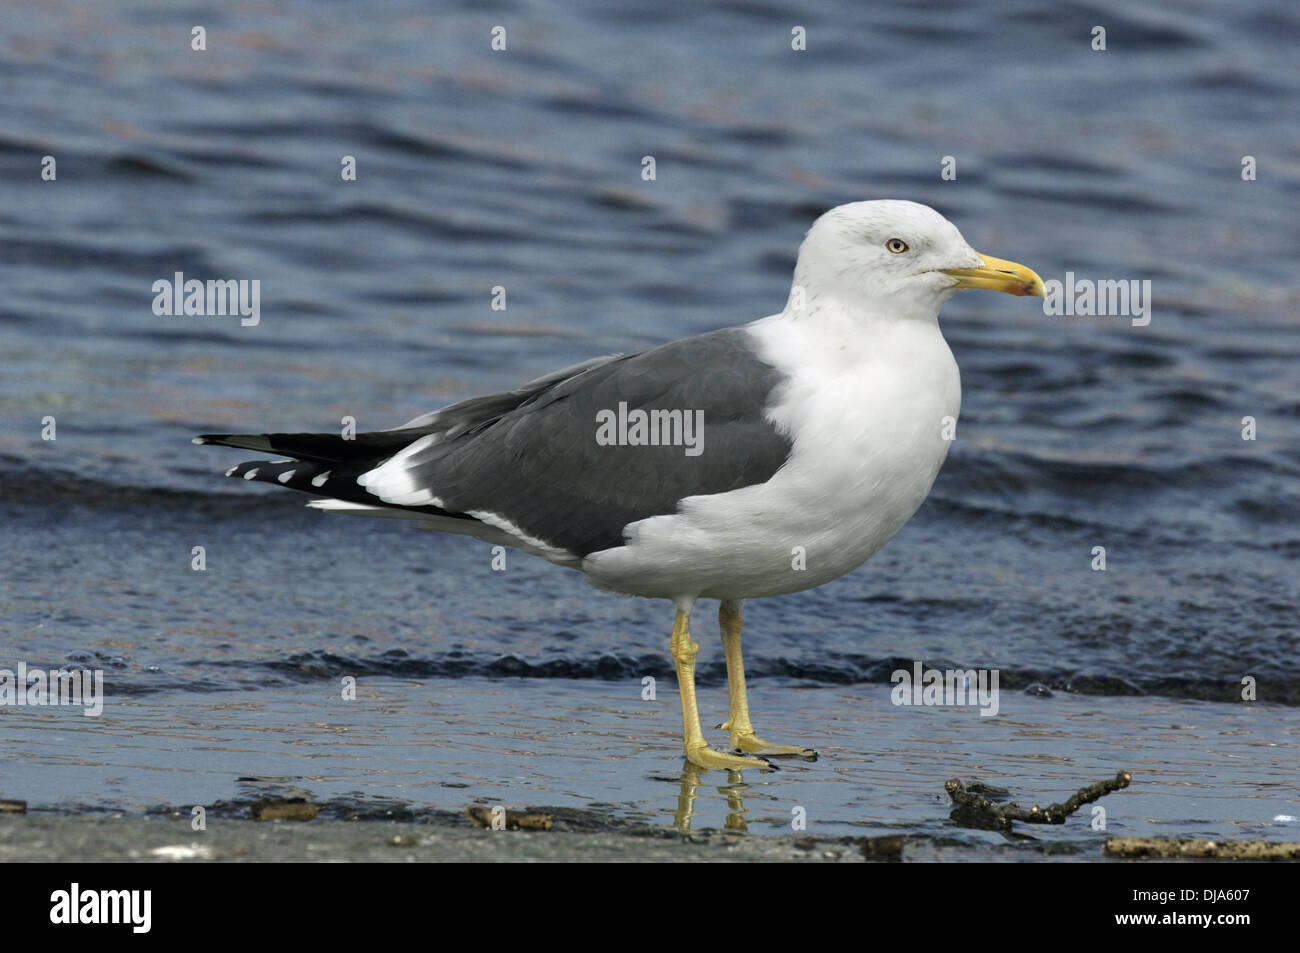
(742, 732)
(698, 752)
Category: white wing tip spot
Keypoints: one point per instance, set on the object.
(320, 480)
(286, 476)
(251, 474)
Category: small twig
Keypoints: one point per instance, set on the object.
(975, 811)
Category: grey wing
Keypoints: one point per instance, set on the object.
(456, 419)
(540, 467)
(329, 464)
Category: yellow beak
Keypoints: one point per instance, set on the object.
(999, 275)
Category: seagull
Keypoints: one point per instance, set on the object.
(742, 463)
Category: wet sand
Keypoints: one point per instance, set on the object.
(87, 839)
(408, 757)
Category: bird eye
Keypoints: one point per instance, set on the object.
(896, 246)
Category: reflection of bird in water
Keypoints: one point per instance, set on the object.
(733, 791)
(748, 462)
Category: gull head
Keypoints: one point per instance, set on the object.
(897, 259)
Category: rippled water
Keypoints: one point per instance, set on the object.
(522, 169)
(1199, 769)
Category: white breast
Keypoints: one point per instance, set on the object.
(868, 420)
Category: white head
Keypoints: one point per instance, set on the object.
(897, 259)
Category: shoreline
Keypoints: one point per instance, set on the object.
(575, 836)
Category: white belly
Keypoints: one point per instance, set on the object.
(869, 441)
